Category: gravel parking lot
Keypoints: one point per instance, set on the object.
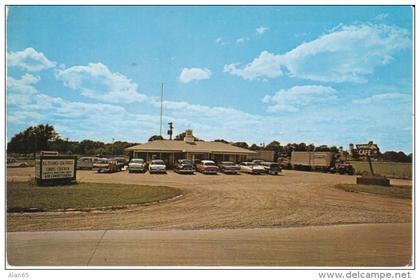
(227, 201)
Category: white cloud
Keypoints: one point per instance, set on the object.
(266, 65)
(395, 97)
(290, 100)
(346, 54)
(190, 74)
(96, 81)
(221, 41)
(29, 60)
(242, 40)
(23, 85)
(19, 91)
(261, 30)
(78, 118)
(210, 122)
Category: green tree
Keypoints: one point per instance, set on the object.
(396, 156)
(155, 137)
(322, 148)
(334, 149)
(276, 147)
(89, 147)
(33, 139)
(241, 145)
(255, 147)
(221, 140)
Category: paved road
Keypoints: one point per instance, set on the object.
(339, 245)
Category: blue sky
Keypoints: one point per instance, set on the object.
(317, 74)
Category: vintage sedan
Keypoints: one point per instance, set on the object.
(157, 166)
(104, 165)
(121, 161)
(229, 167)
(137, 165)
(184, 166)
(86, 162)
(249, 167)
(100, 163)
(207, 167)
(271, 168)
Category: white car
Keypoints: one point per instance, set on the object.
(86, 162)
(100, 163)
(157, 166)
(136, 165)
(249, 167)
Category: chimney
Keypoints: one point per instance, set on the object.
(189, 138)
(351, 148)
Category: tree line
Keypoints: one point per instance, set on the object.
(44, 137)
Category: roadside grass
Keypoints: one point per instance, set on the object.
(27, 197)
(394, 191)
(389, 169)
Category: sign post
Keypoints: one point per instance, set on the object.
(55, 170)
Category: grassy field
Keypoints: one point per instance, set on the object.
(390, 169)
(395, 191)
(23, 196)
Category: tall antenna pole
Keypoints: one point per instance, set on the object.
(161, 108)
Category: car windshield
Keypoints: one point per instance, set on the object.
(185, 161)
(157, 161)
(102, 161)
(138, 160)
(208, 163)
(227, 163)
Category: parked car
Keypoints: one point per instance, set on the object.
(343, 168)
(229, 167)
(184, 166)
(257, 161)
(121, 161)
(157, 166)
(137, 165)
(207, 167)
(271, 168)
(86, 162)
(100, 163)
(249, 167)
(106, 166)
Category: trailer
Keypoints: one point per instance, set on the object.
(320, 161)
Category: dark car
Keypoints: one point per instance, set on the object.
(106, 166)
(184, 166)
(343, 168)
(229, 167)
(121, 162)
(272, 168)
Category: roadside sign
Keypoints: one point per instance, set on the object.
(53, 169)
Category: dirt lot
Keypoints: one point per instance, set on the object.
(227, 201)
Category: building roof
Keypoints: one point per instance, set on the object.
(195, 147)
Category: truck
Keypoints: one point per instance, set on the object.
(320, 161)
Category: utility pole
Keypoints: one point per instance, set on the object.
(161, 109)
